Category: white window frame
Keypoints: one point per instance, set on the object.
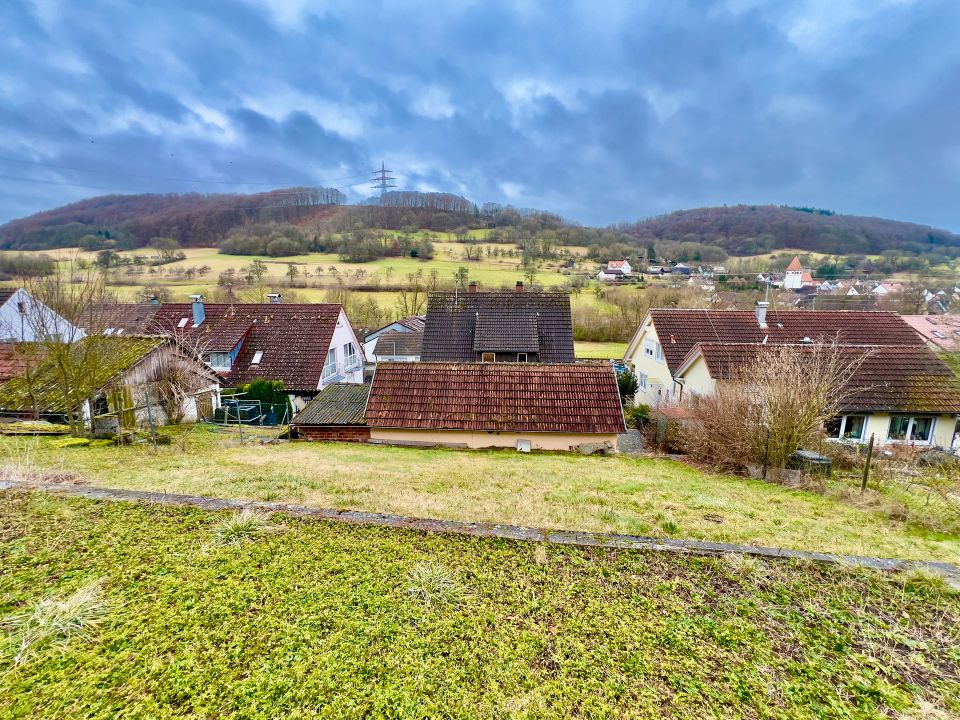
(843, 427)
(219, 355)
(650, 347)
(659, 353)
(350, 356)
(330, 364)
(911, 421)
(183, 322)
(642, 379)
(521, 357)
(484, 357)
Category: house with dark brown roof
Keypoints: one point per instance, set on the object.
(666, 335)
(411, 324)
(498, 326)
(898, 394)
(393, 346)
(306, 345)
(478, 405)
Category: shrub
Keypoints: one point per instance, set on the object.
(772, 406)
(627, 383)
(637, 417)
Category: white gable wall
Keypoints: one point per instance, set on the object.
(22, 316)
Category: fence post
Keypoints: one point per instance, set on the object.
(153, 430)
(866, 467)
(766, 455)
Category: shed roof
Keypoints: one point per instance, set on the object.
(115, 354)
(397, 343)
(337, 404)
(508, 397)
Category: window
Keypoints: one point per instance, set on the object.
(659, 353)
(649, 348)
(642, 381)
(489, 357)
(349, 355)
(521, 357)
(183, 322)
(330, 366)
(257, 357)
(907, 428)
(219, 360)
(846, 427)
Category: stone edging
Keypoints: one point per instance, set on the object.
(510, 532)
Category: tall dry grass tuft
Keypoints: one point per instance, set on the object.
(433, 584)
(241, 527)
(772, 405)
(54, 621)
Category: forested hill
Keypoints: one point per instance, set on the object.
(753, 229)
(192, 219)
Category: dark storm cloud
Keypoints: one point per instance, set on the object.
(601, 111)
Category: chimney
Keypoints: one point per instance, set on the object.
(472, 287)
(762, 313)
(198, 312)
(274, 298)
(154, 300)
(519, 288)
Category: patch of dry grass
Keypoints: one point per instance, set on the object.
(639, 496)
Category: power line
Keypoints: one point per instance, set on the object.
(332, 183)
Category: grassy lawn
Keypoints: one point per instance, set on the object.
(640, 496)
(312, 619)
(602, 350)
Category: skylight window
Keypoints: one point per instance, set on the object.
(183, 322)
(257, 357)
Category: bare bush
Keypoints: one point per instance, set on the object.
(772, 405)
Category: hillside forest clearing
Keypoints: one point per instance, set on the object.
(637, 496)
(295, 618)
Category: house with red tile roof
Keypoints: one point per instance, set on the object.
(666, 335)
(525, 406)
(306, 345)
(899, 394)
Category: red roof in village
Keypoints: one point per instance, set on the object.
(940, 330)
(889, 378)
(616, 264)
(507, 397)
(680, 330)
(795, 264)
(294, 337)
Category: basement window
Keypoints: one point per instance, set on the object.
(521, 357)
(257, 357)
(489, 357)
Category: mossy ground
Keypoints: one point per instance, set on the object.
(317, 619)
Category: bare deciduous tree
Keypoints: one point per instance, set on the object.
(773, 405)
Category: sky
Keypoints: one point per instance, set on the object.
(601, 111)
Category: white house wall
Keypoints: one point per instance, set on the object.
(22, 326)
(659, 380)
(342, 335)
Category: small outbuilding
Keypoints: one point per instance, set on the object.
(335, 414)
(479, 405)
